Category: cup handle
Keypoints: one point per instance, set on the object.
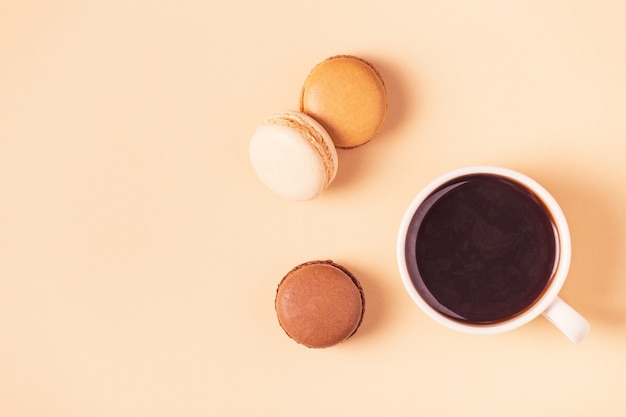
(567, 320)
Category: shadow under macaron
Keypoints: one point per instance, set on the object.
(376, 311)
(402, 101)
(402, 105)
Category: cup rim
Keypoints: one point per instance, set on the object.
(548, 296)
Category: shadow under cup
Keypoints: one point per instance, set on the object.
(481, 249)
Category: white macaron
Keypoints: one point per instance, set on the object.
(293, 155)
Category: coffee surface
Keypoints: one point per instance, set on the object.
(485, 249)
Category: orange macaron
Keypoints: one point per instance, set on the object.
(347, 95)
(319, 304)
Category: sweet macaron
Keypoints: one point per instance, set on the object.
(347, 95)
(293, 155)
(319, 304)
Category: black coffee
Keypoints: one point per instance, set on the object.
(481, 249)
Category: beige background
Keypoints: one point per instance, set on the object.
(139, 253)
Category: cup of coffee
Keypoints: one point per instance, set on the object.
(485, 250)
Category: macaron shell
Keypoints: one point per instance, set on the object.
(319, 304)
(287, 162)
(348, 97)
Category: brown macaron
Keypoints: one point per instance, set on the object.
(319, 304)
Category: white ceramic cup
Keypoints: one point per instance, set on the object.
(565, 318)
